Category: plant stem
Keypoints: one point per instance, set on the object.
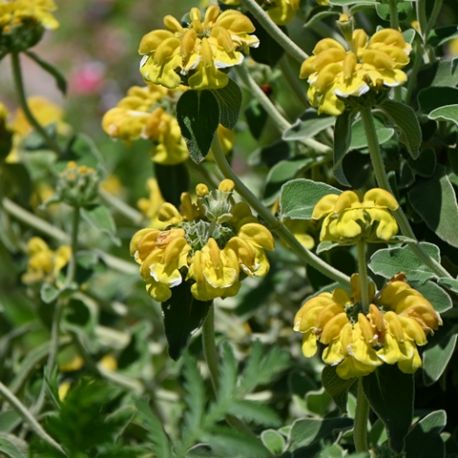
(281, 122)
(382, 181)
(361, 417)
(19, 83)
(44, 227)
(274, 31)
(363, 277)
(74, 246)
(22, 410)
(209, 347)
(394, 21)
(437, 6)
(292, 78)
(280, 229)
(121, 207)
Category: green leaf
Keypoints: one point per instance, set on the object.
(198, 116)
(404, 118)
(342, 140)
(446, 113)
(449, 283)
(172, 180)
(229, 100)
(182, 314)
(308, 431)
(52, 70)
(298, 197)
(424, 440)
(358, 134)
(255, 411)
(195, 401)
(391, 395)
(440, 300)
(425, 165)
(49, 293)
(438, 353)
(274, 441)
(158, 440)
(434, 97)
(308, 127)
(234, 443)
(101, 219)
(282, 172)
(435, 201)
(12, 446)
(390, 261)
(336, 387)
(262, 367)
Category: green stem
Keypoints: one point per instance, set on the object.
(292, 79)
(44, 227)
(420, 7)
(437, 6)
(417, 61)
(280, 229)
(282, 123)
(363, 277)
(19, 83)
(209, 347)
(74, 245)
(22, 410)
(361, 417)
(394, 21)
(382, 181)
(121, 207)
(274, 31)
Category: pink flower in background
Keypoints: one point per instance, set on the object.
(88, 78)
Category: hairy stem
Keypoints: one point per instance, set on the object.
(363, 277)
(361, 417)
(22, 410)
(209, 347)
(19, 83)
(281, 122)
(121, 207)
(274, 31)
(44, 227)
(280, 229)
(382, 181)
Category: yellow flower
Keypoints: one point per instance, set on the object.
(212, 243)
(44, 264)
(357, 343)
(141, 114)
(194, 54)
(17, 12)
(347, 219)
(280, 11)
(300, 230)
(335, 73)
(161, 255)
(112, 184)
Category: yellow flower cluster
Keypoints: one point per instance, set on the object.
(280, 11)
(44, 264)
(150, 205)
(143, 113)
(194, 54)
(148, 113)
(212, 243)
(335, 73)
(347, 219)
(16, 12)
(397, 323)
